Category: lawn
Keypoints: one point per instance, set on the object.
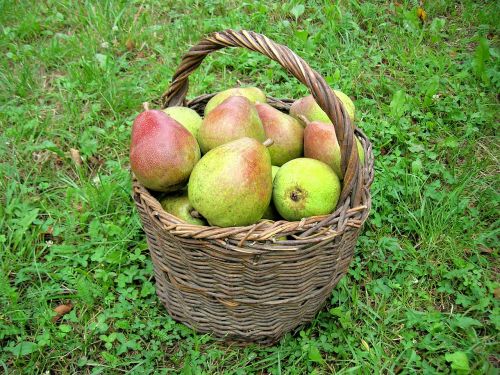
(422, 293)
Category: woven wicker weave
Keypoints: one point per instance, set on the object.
(255, 283)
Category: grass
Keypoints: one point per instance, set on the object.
(422, 292)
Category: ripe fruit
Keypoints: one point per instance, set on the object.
(305, 187)
(251, 93)
(361, 151)
(235, 118)
(274, 170)
(179, 206)
(231, 185)
(320, 143)
(286, 132)
(162, 152)
(271, 212)
(347, 102)
(185, 116)
(308, 108)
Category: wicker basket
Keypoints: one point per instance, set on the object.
(256, 283)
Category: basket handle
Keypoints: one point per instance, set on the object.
(321, 91)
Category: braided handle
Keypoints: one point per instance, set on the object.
(322, 93)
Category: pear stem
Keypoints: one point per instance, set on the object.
(268, 142)
(195, 214)
(145, 105)
(304, 119)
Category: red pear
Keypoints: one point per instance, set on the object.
(286, 132)
(235, 118)
(162, 152)
(320, 143)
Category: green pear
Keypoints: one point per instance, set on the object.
(308, 108)
(251, 93)
(274, 170)
(305, 187)
(232, 184)
(347, 102)
(286, 132)
(361, 151)
(271, 212)
(185, 116)
(179, 206)
(235, 118)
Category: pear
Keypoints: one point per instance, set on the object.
(179, 206)
(232, 184)
(236, 117)
(185, 116)
(162, 152)
(347, 102)
(305, 187)
(251, 93)
(286, 132)
(308, 108)
(320, 143)
(274, 170)
(271, 213)
(361, 151)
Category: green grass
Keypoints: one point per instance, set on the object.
(422, 292)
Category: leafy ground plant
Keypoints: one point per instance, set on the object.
(422, 292)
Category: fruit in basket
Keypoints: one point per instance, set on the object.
(308, 108)
(162, 152)
(274, 170)
(347, 102)
(271, 213)
(179, 206)
(305, 187)
(361, 151)
(232, 184)
(286, 132)
(185, 116)
(253, 94)
(235, 118)
(320, 143)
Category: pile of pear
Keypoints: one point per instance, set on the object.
(244, 161)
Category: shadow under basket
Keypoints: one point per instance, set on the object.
(256, 283)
